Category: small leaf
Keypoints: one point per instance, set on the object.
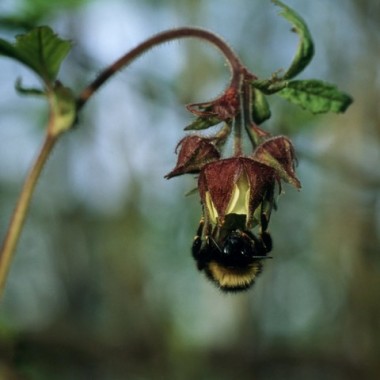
(305, 49)
(316, 96)
(28, 91)
(40, 49)
(202, 122)
(260, 107)
(63, 108)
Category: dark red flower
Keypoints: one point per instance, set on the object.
(236, 185)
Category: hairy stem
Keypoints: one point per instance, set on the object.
(186, 32)
(19, 214)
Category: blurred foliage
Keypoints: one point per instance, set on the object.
(28, 14)
(103, 285)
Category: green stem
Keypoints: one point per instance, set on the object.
(19, 214)
(186, 32)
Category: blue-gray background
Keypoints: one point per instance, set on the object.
(103, 285)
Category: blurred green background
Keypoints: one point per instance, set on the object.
(103, 285)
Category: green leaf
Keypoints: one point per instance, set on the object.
(305, 49)
(316, 96)
(202, 122)
(40, 49)
(260, 107)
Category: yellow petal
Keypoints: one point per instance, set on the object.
(239, 201)
(212, 212)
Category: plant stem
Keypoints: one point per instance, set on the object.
(185, 32)
(19, 214)
(239, 120)
(237, 126)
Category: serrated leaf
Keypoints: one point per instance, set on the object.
(40, 49)
(305, 49)
(202, 122)
(260, 107)
(316, 96)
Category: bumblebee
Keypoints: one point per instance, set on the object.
(231, 256)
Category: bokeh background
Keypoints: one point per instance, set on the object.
(103, 285)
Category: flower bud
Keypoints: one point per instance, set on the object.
(278, 153)
(236, 185)
(194, 153)
(223, 108)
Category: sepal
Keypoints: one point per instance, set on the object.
(278, 153)
(194, 152)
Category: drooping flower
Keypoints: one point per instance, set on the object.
(237, 193)
(236, 185)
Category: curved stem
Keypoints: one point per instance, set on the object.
(19, 214)
(186, 32)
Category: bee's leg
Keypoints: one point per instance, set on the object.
(266, 241)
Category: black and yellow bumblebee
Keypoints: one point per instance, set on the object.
(231, 256)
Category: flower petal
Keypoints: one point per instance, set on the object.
(212, 211)
(239, 202)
